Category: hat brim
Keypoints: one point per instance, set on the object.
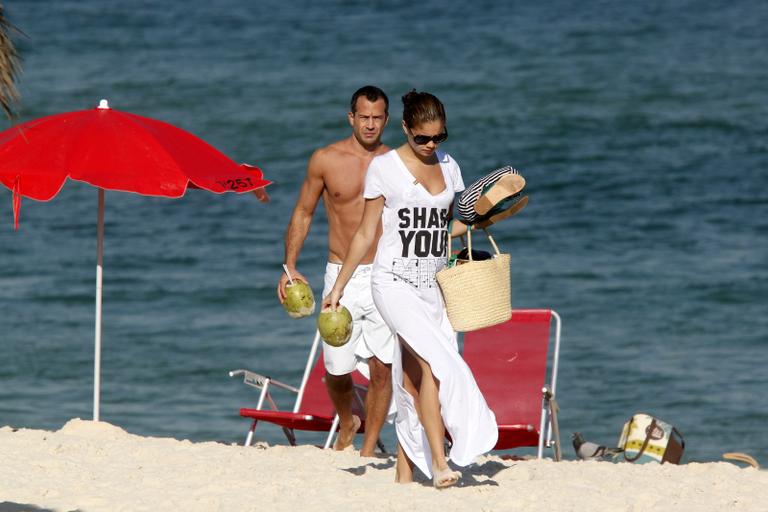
(512, 210)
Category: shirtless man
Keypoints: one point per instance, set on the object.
(337, 173)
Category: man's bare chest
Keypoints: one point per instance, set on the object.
(344, 185)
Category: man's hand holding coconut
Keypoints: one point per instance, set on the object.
(296, 295)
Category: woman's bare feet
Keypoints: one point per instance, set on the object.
(442, 478)
(347, 435)
(403, 476)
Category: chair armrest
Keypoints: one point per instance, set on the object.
(258, 381)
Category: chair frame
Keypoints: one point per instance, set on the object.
(549, 407)
(548, 429)
(264, 383)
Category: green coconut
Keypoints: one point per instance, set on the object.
(335, 326)
(299, 301)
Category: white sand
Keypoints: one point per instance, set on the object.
(96, 466)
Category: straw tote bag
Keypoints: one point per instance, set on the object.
(476, 292)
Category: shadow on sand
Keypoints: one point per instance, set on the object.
(7, 506)
(473, 476)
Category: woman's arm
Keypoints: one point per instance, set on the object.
(358, 248)
(455, 226)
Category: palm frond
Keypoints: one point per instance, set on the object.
(10, 66)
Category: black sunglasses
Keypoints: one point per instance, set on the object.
(423, 140)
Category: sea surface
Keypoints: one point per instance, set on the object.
(640, 127)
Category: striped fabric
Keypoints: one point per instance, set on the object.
(473, 192)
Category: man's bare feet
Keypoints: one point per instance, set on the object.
(442, 478)
(375, 455)
(347, 435)
(403, 467)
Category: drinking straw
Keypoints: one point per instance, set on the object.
(285, 267)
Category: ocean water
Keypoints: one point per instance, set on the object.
(641, 128)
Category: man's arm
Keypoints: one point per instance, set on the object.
(301, 220)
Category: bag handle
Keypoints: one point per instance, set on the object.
(681, 440)
(493, 242)
(648, 434)
(469, 241)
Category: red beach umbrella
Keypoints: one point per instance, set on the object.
(113, 150)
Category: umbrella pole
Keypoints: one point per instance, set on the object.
(97, 339)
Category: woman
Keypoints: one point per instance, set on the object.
(411, 189)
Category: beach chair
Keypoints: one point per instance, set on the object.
(312, 409)
(509, 362)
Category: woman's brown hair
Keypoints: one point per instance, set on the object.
(420, 108)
